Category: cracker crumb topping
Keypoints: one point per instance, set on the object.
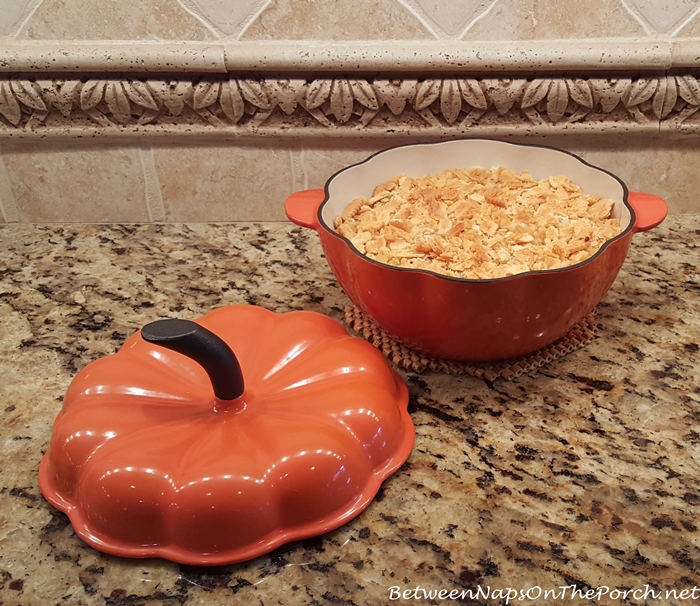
(478, 224)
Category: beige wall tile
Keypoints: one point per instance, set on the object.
(251, 182)
(12, 14)
(224, 183)
(663, 165)
(448, 18)
(8, 206)
(663, 17)
(552, 19)
(336, 20)
(321, 162)
(99, 184)
(113, 20)
(691, 29)
(228, 17)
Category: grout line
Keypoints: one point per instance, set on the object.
(638, 18)
(478, 18)
(418, 15)
(685, 22)
(303, 168)
(299, 176)
(252, 17)
(154, 196)
(183, 5)
(37, 4)
(8, 205)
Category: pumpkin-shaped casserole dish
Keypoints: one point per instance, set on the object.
(469, 319)
(199, 459)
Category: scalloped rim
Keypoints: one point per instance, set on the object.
(264, 545)
(600, 251)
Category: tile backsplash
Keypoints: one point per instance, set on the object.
(200, 110)
(344, 19)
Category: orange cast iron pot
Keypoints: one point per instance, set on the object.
(463, 319)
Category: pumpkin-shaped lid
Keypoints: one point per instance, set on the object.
(178, 448)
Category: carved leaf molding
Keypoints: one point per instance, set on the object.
(340, 102)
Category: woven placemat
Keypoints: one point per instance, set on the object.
(404, 357)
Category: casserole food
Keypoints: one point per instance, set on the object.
(473, 319)
(478, 223)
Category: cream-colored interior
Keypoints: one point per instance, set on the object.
(418, 160)
(196, 110)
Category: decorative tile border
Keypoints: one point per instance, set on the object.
(232, 96)
(341, 105)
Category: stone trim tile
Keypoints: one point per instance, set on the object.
(309, 90)
(99, 56)
(585, 56)
(354, 107)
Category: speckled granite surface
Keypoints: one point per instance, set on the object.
(584, 474)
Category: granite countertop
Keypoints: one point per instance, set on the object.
(583, 475)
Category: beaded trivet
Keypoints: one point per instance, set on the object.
(404, 357)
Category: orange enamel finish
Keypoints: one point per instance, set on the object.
(146, 461)
(472, 320)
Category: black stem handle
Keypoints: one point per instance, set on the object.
(205, 348)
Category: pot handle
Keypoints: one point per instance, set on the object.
(204, 347)
(650, 210)
(302, 207)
